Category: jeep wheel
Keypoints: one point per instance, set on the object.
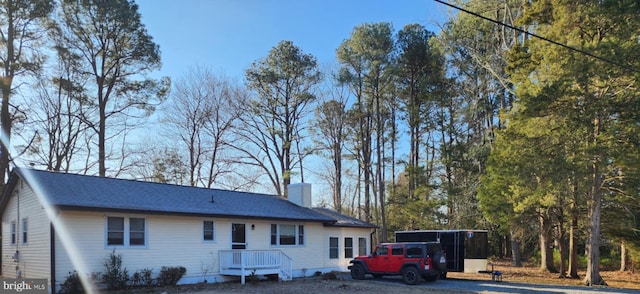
(410, 276)
(357, 272)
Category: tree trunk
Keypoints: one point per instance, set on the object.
(515, 250)
(623, 257)
(564, 252)
(5, 122)
(546, 248)
(501, 245)
(337, 188)
(102, 137)
(379, 167)
(573, 238)
(594, 206)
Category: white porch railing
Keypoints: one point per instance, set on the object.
(245, 262)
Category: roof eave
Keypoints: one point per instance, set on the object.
(178, 213)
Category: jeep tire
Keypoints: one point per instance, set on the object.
(411, 276)
(357, 272)
(436, 261)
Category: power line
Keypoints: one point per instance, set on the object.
(542, 38)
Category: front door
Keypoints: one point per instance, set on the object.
(238, 236)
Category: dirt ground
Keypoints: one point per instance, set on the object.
(310, 285)
(529, 273)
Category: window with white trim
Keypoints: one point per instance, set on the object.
(123, 231)
(348, 247)
(362, 246)
(115, 231)
(13, 233)
(136, 231)
(207, 231)
(287, 235)
(25, 223)
(333, 247)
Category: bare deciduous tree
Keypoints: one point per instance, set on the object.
(56, 114)
(330, 125)
(201, 113)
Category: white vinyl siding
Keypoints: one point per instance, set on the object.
(335, 259)
(170, 240)
(23, 207)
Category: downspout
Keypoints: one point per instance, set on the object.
(52, 250)
(371, 240)
(18, 235)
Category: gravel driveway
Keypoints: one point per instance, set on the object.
(345, 285)
(479, 286)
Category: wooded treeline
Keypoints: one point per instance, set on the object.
(476, 126)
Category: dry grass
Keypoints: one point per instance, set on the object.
(530, 273)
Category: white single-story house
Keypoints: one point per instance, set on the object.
(55, 223)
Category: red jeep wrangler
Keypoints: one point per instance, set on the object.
(412, 260)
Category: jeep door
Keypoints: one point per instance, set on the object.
(377, 263)
(396, 259)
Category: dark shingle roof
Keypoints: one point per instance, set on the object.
(80, 192)
(343, 220)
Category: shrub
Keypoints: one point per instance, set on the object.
(253, 278)
(169, 276)
(114, 276)
(330, 276)
(72, 284)
(143, 277)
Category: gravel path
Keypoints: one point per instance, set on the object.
(345, 285)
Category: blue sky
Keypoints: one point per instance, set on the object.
(228, 35)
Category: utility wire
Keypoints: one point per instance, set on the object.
(542, 38)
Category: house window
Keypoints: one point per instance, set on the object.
(348, 247)
(136, 231)
(362, 246)
(300, 235)
(115, 231)
(207, 230)
(333, 247)
(13, 232)
(274, 234)
(119, 227)
(287, 234)
(24, 230)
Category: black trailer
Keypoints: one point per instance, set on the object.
(466, 250)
